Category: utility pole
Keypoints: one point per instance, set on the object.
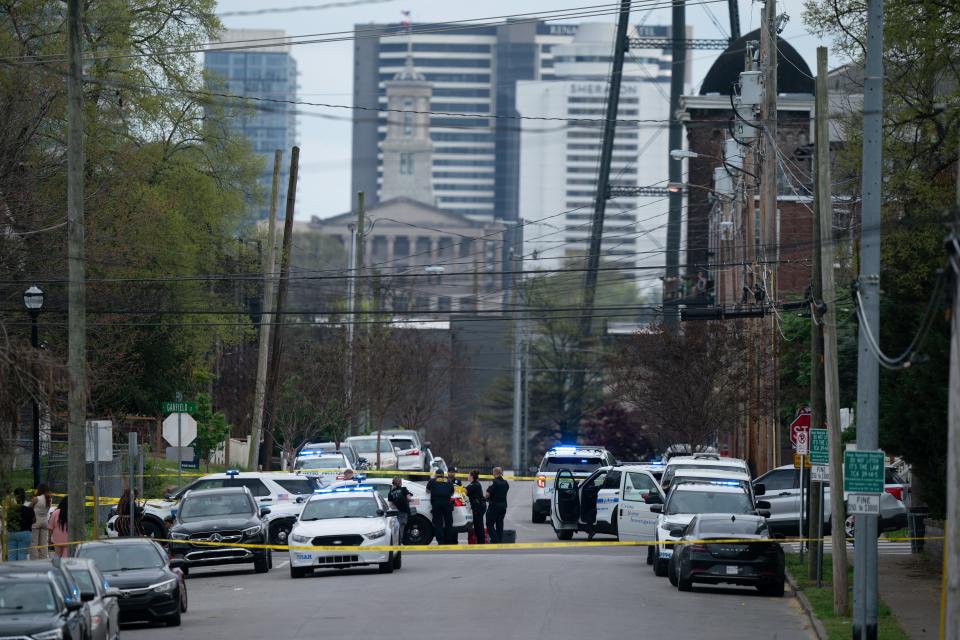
(76, 295)
(733, 8)
(276, 348)
(950, 621)
(356, 300)
(671, 280)
(571, 422)
(818, 401)
(829, 328)
(868, 369)
(516, 265)
(265, 319)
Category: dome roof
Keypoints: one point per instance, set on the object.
(793, 74)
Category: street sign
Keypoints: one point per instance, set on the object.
(187, 429)
(863, 504)
(796, 461)
(820, 473)
(819, 447)
(801, 444)
(178, 407)
(800, 424)
(863, 471)
(186, 454)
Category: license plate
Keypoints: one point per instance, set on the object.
(732, 570)
(303, 556)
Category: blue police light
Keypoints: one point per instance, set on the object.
(358, 488)
(725, 483)
(564, 450)
(233, 472)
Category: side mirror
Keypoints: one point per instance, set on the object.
(264, 511)
(656, 508)
(299, 499)
(759, 489)
(87, 596)
(177, 563)
(112, 593)
(763, 513)
(380, 512)
(533, 470)
(426, 445)
(652, 498)
(392, 513)
(73, 605)
(677, 532)
(763, 504)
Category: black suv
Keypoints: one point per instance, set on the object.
(220, 518)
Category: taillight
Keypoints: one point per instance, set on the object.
(896, 492)
(541, 482)
(412, 452)
(458, 502)
(697, 548)
(340, 476)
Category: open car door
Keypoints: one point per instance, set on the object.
(565, 502)
(636, 522)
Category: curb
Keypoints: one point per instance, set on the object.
(818, 627)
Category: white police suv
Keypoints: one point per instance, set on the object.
(686, 500)
(351, 517)
(282, 492)
(579, 461)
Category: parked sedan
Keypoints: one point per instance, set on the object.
(99, 596)
(366, 447)
(33, 606)
(150, 587)
(742, 554)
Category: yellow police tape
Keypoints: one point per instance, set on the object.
(368, 472)
(490, 546)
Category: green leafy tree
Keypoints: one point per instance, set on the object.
(212, 429)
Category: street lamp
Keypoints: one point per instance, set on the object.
(679, 154)
(33, 301)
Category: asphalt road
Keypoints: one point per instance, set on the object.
(550, 595)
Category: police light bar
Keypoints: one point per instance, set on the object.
(564, 450)
(365, 488)
(725, 483)
(233, 472)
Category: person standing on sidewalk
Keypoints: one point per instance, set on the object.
(39, 531)
(19, 522)
(497, 507)
(57, 523)
(478, 505)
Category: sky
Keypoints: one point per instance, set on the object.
(326, 68)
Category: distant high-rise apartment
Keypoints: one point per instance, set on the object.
(259, 72)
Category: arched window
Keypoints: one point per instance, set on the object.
(408, 117)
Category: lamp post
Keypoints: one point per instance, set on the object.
(33, 301)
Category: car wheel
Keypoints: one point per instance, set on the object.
(684, 583)
(537, 517)
(174, 620)
(773, 589)
(297, 572)
(260, 565)
(650, 554)
(151, 529)
(564, 534)
(280, 532)
(386, 567)
(659, 566)
(672, 571)
(183, 597)
(398, 560)
(419, 532)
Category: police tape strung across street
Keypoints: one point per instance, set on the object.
(310, 472)
(514, 546)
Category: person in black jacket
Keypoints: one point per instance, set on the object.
(441, 504)
(497, 508)
(400, 497)
(477, 504)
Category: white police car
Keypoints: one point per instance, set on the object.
(686, 500)
(349, 516)
(612, 500)
(580, 461)
(282, 492)
(326, 465)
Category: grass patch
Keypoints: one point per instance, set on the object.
(899, 533)
(838, 627)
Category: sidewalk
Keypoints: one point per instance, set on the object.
(910, 586)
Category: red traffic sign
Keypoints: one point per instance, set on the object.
(800, 428)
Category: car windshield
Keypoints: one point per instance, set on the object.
(403, 444)
(125, 557)
(354, 507)
(300, 486)
(332, 462)
(672, 471)
(370, 445)
(720, 527)
(576, 464)
(26, 596)
(84, 580)
(211, 506)
(708, 502)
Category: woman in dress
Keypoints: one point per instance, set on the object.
(39, 531)
(58, 529)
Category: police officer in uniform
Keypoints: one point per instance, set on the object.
(441, 504)
(400, 497)
(497, 505)
(478, 505)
